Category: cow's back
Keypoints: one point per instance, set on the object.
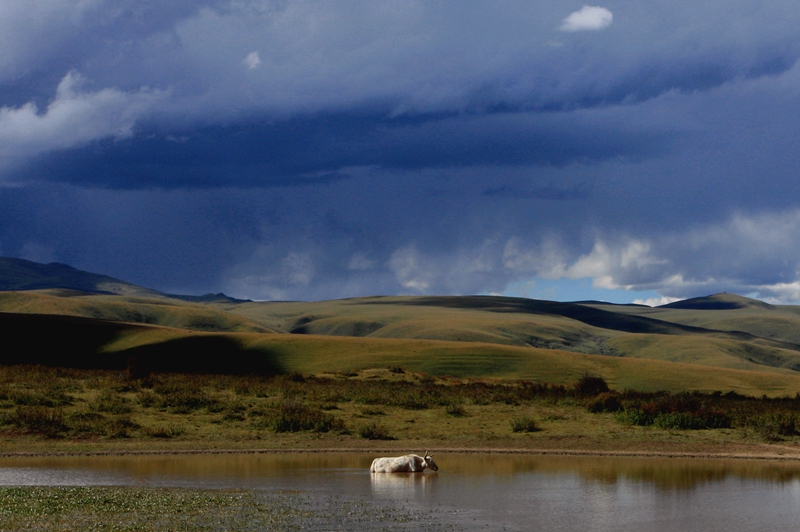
(386, 465)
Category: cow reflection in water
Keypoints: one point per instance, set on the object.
(401, 485)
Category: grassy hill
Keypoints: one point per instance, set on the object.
(724, 341)
(164, 311)
(726, 312)
(89, 343)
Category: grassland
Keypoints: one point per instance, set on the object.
(478, 336)
(59, 410)
(85, 343)
(127, 373)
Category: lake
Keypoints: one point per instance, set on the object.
(476, 491)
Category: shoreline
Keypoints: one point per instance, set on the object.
(777, 456)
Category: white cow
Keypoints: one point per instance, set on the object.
(410, 463)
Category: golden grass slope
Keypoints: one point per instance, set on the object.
(155, 311)
(399, 317)
(773, 322)
(707, 351)
(465, 337)
(318, 354)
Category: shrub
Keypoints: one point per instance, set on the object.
(183, 399)
(680, 411)
(51, 397)
(39, 419)
(295, 417)
(112, 403)
(147, 399)
(523, 424)
(773, 426)
(413, 402)
(678, 420)
(605, 402)
(374, 431)
(589, 385)
(295, 377)
(169, 431)
(456, 409)
(78, 419)
(119, 426)
(635, 416)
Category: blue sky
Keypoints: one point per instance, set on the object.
(623, 150)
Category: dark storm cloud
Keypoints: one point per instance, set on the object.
(305, 149)
(314, 67)
(313, 151)
(549, 192)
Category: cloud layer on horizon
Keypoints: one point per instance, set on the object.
(298, 149)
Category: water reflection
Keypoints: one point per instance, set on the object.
(402, 485)
(554, 492)
(668, 474)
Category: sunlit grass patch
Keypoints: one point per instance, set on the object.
(524, 424)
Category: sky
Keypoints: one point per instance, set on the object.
(624, 151)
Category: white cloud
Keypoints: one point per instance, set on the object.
(609, 265)
(547, 259)
(72, 119)
(298, 269)
(252, 60)
(360, 262)
(656, 301)
(268, 275)
(588, 18)
(407, 265)
(780, 293)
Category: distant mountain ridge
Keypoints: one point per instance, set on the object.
(723, 301)
(23, 275)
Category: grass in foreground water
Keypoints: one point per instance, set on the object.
(57, 509)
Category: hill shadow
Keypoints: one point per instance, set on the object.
(73, 342)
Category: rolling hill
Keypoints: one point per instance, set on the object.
(720, 342)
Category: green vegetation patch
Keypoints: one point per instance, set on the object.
(57, 509)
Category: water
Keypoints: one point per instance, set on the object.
(473, 491)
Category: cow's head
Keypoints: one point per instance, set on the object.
(430, 463)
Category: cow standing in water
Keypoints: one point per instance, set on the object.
(410, 463)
